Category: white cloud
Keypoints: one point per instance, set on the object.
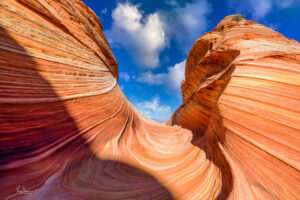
(152, 79)
(104, 11)
(259, 8)
(124, 76)
(127, 17)
(154, 110)
(146, 36)
(171, 2)
(143, 35)
(188, 22)
(171, 80)
(285, 3)
(176, 75)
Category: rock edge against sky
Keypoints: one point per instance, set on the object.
(68, 131)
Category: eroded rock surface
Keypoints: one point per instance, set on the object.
(68, 131)
(241, 99)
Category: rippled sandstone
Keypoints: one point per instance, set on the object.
(241, 99)
(68, 131)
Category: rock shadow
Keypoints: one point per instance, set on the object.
(209, 140)
(40, 142)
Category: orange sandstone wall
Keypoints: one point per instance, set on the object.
(66, 129)
(241, 99)
(68, 132)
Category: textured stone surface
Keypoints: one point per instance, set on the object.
(68, 131)
(241, 99)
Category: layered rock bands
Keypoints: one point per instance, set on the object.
(68, 132)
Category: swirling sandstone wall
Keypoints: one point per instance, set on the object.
(68, 132)
(241, 99)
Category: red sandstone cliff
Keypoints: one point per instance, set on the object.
(68, 132)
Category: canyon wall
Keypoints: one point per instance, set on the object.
(68, 132)
(241, 99)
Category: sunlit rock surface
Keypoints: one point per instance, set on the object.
(241, 99)
(68, 132)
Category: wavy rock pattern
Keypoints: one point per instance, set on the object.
(68, 131)
(241, 99)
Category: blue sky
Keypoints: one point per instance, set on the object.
(151, 40)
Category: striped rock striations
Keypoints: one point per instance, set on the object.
(241, 99)
(68, 132)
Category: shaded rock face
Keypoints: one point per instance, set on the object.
(68, 131)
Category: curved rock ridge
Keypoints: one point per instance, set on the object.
(68, 132)
(241, 99)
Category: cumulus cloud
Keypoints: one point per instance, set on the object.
(143, 35)
(259, 8)
(186, 23)
(154, 110)
(171, 80)
(124, 76)
(152, 79)
(176, 75)
(146, 36)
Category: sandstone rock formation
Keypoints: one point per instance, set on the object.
(68, 131)
(241, 99)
